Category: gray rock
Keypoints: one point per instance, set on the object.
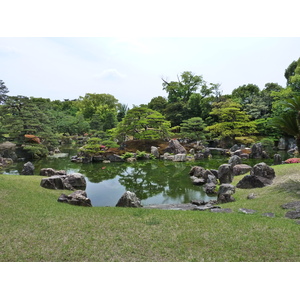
(270, 215)
(210, 188)
(247, 211)
(51, 172)
(154, 151)
(256, 151)
(221, 210)
(28, 169)
(115, 158)
(263, 170)
(206, 207)
(199, 156)
(225, 193)
(73, 181)
(77, 198)
(225, 173)
(251, 196)
(129, 199)
(251, 182)
(234, 160)
(197, 171)
(241, 169)
(175, 147)
(293, 214)
(197, 181)
(292, 205)
(277, 159)
(179, 157)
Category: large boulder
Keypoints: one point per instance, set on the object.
(75, 181)
(51, 172)
(256, 151)
(129, 199)
(197, 171)
(77, 198)
(277, 159)
(252, 181)
(28, 169)
(175, 147)
(241, 169)
(263, 170)
(225, 173)
(7, 150)
(225, 193)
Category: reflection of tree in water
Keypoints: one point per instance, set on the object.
(98, 172)
(168, 178)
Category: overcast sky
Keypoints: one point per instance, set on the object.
(131, 68)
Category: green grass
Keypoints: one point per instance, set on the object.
(35, 227)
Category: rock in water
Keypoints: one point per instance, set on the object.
(129, 199)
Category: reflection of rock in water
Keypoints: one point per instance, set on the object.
(59, 155)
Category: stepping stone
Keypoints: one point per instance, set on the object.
(293, 214)
(247, 211)
(298, 222)
(271, 215)
(221, 210)
(291, 205)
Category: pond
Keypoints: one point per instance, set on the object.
(153, 181)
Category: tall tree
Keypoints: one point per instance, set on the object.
(3, 91)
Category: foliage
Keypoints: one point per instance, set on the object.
(232, 122)
(127, 155)
(193, 129)
(36, 150)
(158, 104)
(143, 123)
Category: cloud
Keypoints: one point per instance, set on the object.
(111, 74)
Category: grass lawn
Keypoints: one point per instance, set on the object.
(35, 227)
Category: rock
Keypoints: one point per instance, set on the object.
(207, 153)
(211, 179)
(28, 169)
(115, 158)
(60, 182)
(234, 148)
(98, 158)
(277, 159)
(206, 207)
(234, 160)
(74, 181)
(53, 182)
(247, 211)
(129, 199)
(7, 150)
(198, 156)
(221, 210)
(131, 159)
(225, 174)
(77, 198)
(292, 205)
(263, 170)
(175, 147)
(179, 157)
(197, 171)
(251, 182)
(197, 181)
(192, 151)
(51, 172)
(256, 151)
(282, 145)
(154, 151)
(214, 172)
(241, 169)
(270, 215)
(251, 196)
(210, 188)
(106, 162)
(198, 202)
(225, 193)
(293, 214)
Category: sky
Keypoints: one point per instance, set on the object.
(132, 68)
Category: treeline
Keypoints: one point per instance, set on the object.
(193, 109)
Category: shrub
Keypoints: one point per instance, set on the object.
(293, 160)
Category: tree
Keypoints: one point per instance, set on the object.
(122, 111)
(3, 92)
(143, 123)
(289, 120)
(193, 129)
(232, 122)
(158, 103)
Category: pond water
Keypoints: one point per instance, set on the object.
(153, 181)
